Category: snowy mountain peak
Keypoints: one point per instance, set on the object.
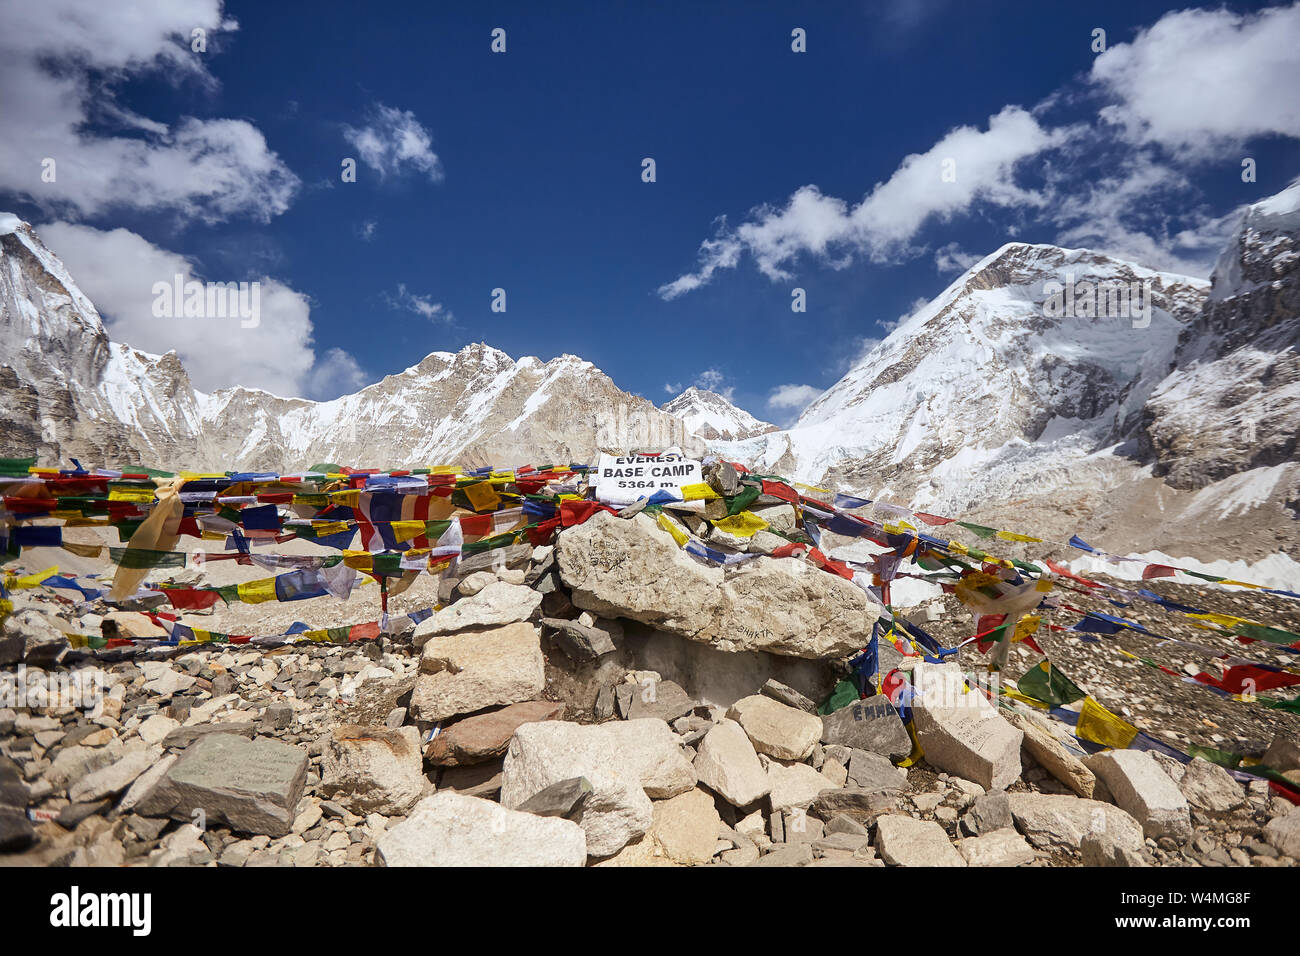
(711, 417)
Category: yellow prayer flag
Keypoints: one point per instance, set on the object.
(743, 525)
(406, 530)
(482, 496)
(1026, 627)
(325, 528)
(698, 492)
(670, 526)
(350, 497)
(138, 495)
(1012, 536)
(1099, 725)
(34, 580)
(256, 592)
(361, 560)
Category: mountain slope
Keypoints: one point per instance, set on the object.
(67, 390)
(711, 417)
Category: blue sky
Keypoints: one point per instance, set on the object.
(522, 170)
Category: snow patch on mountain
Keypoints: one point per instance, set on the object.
(711, 417)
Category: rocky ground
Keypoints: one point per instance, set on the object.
(611, 701)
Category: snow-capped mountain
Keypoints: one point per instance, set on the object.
(1232, 402)
(711, 417)
(994, 402)
(67, 390)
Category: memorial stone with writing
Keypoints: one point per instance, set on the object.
(872, 724)
(252, 786)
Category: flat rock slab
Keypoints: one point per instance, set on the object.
(1003, 847)
(484, 736)
(373, 769)
(795, 785)
(450, 829)
(1146, 792)
(660, 699)
(579, 641)
(872, 724)
(960, 731)
(631, 568)
(626, 762)
(469, 671)
(1060, 820)
(114, 778)
(252, 786)
(904, 841)
(872, 771)
(777, 729)
(497, 604)
(1283, 834)
(727, 764)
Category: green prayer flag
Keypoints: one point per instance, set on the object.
(1050, 685)
(845, 693)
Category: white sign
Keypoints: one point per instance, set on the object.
(623, 479)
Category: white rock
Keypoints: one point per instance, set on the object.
(451, 829)
(373, 769)
(728, 765)
(497, 604)
(1003, 847)
(1208, 786)
(1145, 791)
(626, 762)
(904, 841)
(114, 778)
(775, 728)
(960, 731)
(796, 785)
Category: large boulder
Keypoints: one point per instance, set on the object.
(960, 731)
(373, 769)
(1208, 786)
(450, 829)
(471, 670)
(252, 786)
(626, 763)
(1052, 755)
(630, 568)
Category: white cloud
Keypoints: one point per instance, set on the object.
(118, 270)
(672, 389)
(796, 397)
(393, 139)
(59, 61)
(1200, 80)
(367, 230)
(421, 305)
(335, 373)
(952, 258)
(882, 224)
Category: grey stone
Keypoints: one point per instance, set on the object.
(496, 605)
(114, 778)
(1061, 820)
(1283, 833)
(990, 812)
(1002, 847)
(1283, 754)
(787, 695)
(563, 799)
(252, 786)
(872, 771)
(872, 724)
(867, 804)
(798, 854)
(843, 823)
(664, 700)
(182, 737)
(578, 641)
